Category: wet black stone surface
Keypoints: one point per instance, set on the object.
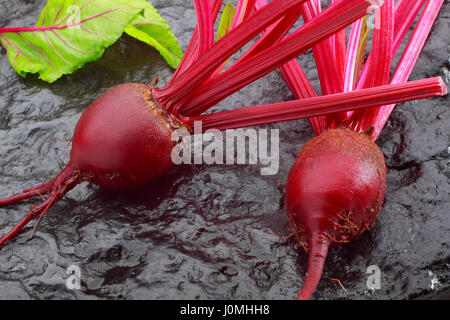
(205, 232)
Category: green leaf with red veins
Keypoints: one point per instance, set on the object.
(68, 34)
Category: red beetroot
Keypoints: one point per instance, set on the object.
(122, 141)
(138, 146)
(334, 192)
(338, 191)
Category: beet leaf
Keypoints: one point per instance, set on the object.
(70, 33)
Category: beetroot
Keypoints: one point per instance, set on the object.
(122, 141)
(138, 145)
(334, 192)
(337, 184)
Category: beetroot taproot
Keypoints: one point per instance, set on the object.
(122, 141)
(334, 192)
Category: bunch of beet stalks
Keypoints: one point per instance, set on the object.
(337, 184)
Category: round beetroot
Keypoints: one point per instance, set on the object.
(334, 192)
(122, 141)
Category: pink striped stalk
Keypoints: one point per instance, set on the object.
(352, 67)
(272, 34)
(305, 108)
(297, 82)
(381, 56)
(301, 88)
(324, 55)
(405, 13)
(191, 52)
(205, 25)
(331, 20)
(339, 47)
(354, 60)
(243, 11)
(206, 65)
(410, 57)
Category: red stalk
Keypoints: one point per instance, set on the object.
(305, 108)
(409, 58)
(333, 57)
(302, 89)
(324, 55)
(243, 10)
(355, 54)
(339, 51)
(333, 19)
(354, 61)
(205, 25)
(296, 80)
(221, 51)
(381, 52)
(381, 56)
(274, 34)
(405, 13)
(190, 54)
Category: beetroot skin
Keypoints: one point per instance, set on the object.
(122, 141)
(334, 192)
(138, 142)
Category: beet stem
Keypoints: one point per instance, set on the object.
(331, 20)
(205, 25)
(296, 80)
(272, 35)
(190, 55)
(410, 57)
(381, 56)
(322, 105)
(324, 57)
(202, 68)
(402, 25)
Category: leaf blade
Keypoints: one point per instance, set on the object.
(70, 33)
(152, 29)
(226, 20)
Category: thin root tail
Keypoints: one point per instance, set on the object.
(40, 190)
(318, 250)
(56, 189)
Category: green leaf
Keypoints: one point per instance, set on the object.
(226, 20)
(361, 50)
(68, 34)
(224, 27)
(152, 29)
